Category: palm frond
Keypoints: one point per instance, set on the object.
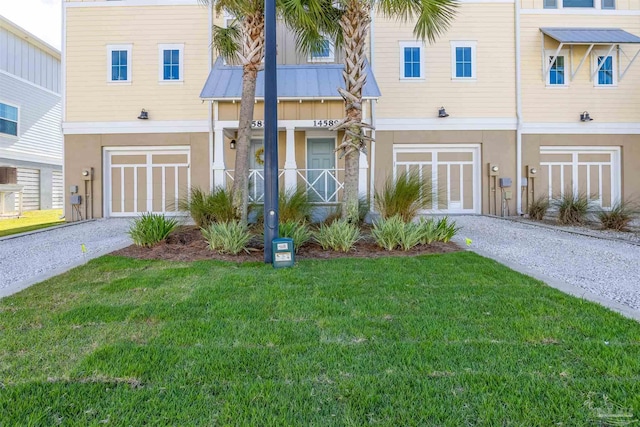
(227, 41)
(311, 21)
(433, 17)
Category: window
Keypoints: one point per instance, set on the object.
(577, 3)
(550, 4)
(171, 62)
(8, 119)
(411, 61)
(556, 71)
(463, 60)
(119, 63)
(608, 4)
(606, 72)
(325, 54)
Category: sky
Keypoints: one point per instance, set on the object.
(42, 18)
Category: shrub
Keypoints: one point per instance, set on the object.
(572, 208)
(338, 236)
(394, 232)
(298, 231)
(294, 206)
(206, 208)
(150, 228)
(618, 217)
(428, 231)
(227, 237)
(336, 214)
(446, 229)
(404, 196)
(538, 208)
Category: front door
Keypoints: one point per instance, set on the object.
(256, 171)
(321, 173)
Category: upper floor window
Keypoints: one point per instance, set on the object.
(606, 71)
(325, 54)
(411, 60)
(463, 60)
(608, 4)
(598, 4)
(8, 119)
(119, 63)
(577, 3)
(171, 62)
(556, 75)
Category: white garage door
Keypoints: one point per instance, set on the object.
(454, 172)
(149, 180)
(30, 179)
(592, 171)
(57, 191)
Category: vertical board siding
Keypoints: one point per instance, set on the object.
(30, 179)
(39, 116)
(28, 62)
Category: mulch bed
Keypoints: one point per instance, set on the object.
(187, 244)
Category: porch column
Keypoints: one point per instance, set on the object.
(290, 167)
(218, 158)
(362, 179)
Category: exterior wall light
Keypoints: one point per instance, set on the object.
(143, 115)
(532, 171)
(442, 112)
(232, 144)
(584, 117)
(495, 168)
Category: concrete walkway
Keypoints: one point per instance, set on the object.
(34, 257)
(601, 270)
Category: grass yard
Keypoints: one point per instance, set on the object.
(29, 221)
(450, 340)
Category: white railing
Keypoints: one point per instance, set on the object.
(321, 185)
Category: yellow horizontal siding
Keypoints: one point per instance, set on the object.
(553, 104)
(491, 95)
(89, 30)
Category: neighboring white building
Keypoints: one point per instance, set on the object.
(30, 115)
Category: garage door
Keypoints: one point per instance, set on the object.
(593, 171)
(153, 180)
(30, 179)
(57, 196)
(453, 170)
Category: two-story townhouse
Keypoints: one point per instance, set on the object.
(30, 115)
(473, 107)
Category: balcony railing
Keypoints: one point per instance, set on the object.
(321, 185)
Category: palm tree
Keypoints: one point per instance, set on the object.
(243, 42)
(432, 17)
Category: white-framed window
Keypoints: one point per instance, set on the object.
(558, 71)
(463, 60)
(171, 63)
(8, 119)
(325, 54)
(586, 4)
(607, 74)
(411, 60)
(119, 63)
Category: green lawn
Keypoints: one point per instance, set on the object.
(30, 221)
(450, 340)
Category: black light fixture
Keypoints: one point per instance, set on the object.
(584, 117)
(143, 115)
(232, 144)
(442, 112)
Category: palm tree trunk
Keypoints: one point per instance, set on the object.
(355, 24)
(253, 52)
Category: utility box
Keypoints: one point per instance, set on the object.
(76, 199)
(283, 253)
(504, 182)
(8, 175)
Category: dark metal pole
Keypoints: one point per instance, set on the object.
(270, 131)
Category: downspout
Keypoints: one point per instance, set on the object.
(63, 104)
(210, 107)
(372, 162)
(518, 112)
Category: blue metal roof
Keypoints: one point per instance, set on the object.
(313, 81)
(590, 35)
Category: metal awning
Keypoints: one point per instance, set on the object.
(295, 82)
(607, 37)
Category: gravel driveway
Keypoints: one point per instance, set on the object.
(31, 258)
(596, 269)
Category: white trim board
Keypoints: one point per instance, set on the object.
(25, 81)
(447, 123)
(122, 3)
(140, 126)
(581, 128)
(28, 157)
(580, 11)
